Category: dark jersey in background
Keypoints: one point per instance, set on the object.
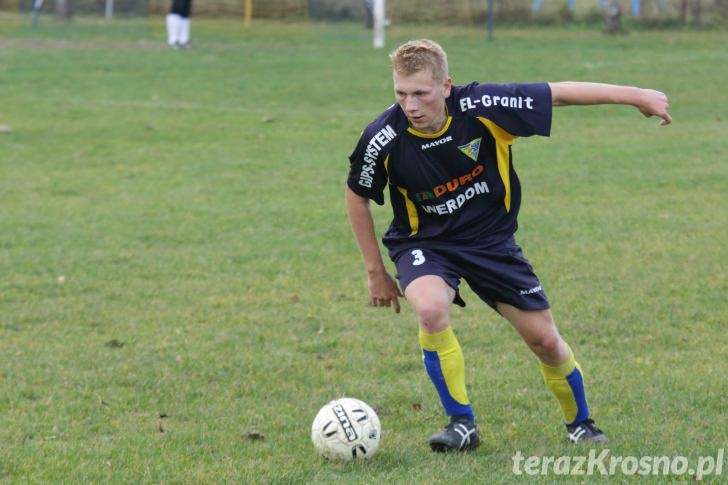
(181, 7)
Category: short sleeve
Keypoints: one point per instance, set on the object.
(367, 173)
(520, 109)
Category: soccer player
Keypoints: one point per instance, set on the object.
(445, 152)
(178, 23)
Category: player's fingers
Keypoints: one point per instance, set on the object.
(380, 302)
(666, 119)
(396, 305)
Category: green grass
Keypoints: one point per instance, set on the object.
(177, 270)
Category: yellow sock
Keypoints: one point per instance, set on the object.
(567, 384)
(445, 365)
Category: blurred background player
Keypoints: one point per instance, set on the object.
(178, 23)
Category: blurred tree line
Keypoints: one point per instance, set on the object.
(456, 12)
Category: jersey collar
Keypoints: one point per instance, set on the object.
(432, 135)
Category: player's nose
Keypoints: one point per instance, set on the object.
(410, 105)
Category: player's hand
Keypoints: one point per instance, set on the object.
(654, 103)
(383, 290)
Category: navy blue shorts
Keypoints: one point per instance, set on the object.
(496, 273)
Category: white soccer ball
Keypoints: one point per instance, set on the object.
(346, 429)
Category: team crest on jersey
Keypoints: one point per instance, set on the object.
(471, 149)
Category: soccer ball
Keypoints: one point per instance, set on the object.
(346, 429)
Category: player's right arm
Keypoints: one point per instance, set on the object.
(383, 289)
(367, 181)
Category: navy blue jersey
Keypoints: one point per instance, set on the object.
(457, 185)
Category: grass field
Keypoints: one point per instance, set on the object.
(180, 290)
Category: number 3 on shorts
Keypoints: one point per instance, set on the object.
(419, 257)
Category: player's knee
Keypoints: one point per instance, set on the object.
(547, 346)
(433, 317)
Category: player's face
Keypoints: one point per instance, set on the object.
(422, 98)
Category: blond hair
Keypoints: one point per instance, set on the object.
(419, 55)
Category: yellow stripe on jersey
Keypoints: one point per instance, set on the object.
(503, 142)
(414, 219)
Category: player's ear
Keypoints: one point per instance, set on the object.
(447, 87)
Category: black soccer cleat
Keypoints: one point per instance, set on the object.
(460, 434)
(586, 431)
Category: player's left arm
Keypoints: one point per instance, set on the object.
(648, 101)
